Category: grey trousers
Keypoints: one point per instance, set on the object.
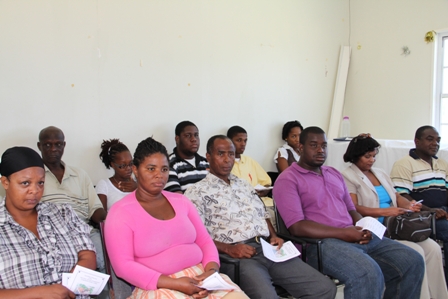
(258, 274)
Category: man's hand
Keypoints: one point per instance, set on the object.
(366, 237)
(240, 251)
(355, 234)
(262, 193)
(277, 241)
(440, 214)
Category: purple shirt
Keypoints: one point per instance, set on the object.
(301, 194)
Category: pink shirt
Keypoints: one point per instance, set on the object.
(141, 247)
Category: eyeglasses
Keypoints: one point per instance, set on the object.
(124, 166)
(362, 136)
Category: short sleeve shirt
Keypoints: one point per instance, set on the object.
(75, 189)
(26, 261)
(231, 212)
(301, 194)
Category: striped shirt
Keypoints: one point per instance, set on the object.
(28, 261)
(416, 177)
(183, 174)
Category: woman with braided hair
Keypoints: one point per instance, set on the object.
(115, 155)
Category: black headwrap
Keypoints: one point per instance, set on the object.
(18, 158)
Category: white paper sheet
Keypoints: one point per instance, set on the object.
(215, 282)
(84, 281)
(373, 225)
(261, 187)
(286, 252)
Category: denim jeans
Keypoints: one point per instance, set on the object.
(299, 279)
(96, 239)
(369, 271)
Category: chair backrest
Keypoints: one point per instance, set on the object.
(273, 175)
(106, 256)
(121, 289)
(280, 224)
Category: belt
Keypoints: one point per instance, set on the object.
(255, 239)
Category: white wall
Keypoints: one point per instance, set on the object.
(389, 94)
(130, 69)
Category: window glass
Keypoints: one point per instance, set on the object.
(445, 51)
(444, 111)
(445, 80)
(443, 134)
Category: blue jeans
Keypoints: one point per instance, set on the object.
(299, 279)
(96, 239)
(368, 271)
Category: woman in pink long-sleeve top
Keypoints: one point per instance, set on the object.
(156, 239)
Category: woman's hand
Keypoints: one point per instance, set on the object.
(414, 206)
(190, 287)
(393, 211)
(54, 291)
(127, 186)
(204, 275)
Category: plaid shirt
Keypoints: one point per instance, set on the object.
(26, 261)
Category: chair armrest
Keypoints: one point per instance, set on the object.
(226, 259)
(304, 242)
(433, 226)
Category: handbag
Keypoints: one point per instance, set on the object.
(415, 227)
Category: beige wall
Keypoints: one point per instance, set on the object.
(389, 94)
(132, 69)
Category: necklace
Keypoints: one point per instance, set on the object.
(118, 183)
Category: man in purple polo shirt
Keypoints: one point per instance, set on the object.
(314, 202)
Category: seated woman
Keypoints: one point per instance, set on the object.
(38, 241)
(288, 153)
(374, 195)
(116, 155)
(156, 239)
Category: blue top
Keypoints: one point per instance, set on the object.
(385, 200)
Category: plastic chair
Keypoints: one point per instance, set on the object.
(119, 288)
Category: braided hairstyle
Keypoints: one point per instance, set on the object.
(109, 148)
(148, 147)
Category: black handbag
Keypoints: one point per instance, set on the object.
(415, 227)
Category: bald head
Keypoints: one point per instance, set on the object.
(51, 145)
(51, 131)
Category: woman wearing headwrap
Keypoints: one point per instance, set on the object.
(38, 241)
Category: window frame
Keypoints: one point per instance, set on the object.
(441, 38)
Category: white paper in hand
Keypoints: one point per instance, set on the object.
(373, 225)
(215, 282)
(259, 187)
(84, 281)
(287, 252)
